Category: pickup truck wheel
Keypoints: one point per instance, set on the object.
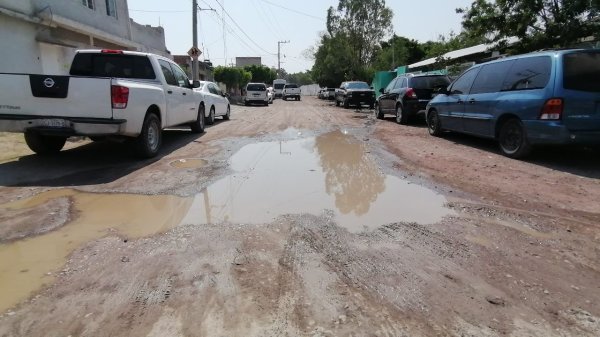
(513, 139)
(44, 144)
(211, 116)
(337, 103)
(198, 125)
(148, 142)
(346, 104)
(228, 114)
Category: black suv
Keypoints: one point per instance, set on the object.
(355, 93)
(407, 95)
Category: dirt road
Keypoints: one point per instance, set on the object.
(300, 219)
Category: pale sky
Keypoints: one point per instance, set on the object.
(253, 27)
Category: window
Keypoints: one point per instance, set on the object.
(491, 77)
(180, 76)
(167, 72)
(404, 83)
(112, 65)
(111, 8)
(89, 4)
(528, 73)
(213, 89)
(256, 87)
(582, 71)
(429, 82)
(357, 85)
(291, 86)
(463, 83)
(391, 85)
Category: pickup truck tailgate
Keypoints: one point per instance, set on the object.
(55, 96)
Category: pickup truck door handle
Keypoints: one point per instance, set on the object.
(472, 101)
(460, 101)
(184, 94)
(169, 92)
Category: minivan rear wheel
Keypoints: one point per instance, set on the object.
(513, 139)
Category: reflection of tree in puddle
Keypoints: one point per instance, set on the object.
(349, 174)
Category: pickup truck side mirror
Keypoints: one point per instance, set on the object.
(196, 84)
(381, 90)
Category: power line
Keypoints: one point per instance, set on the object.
(293, 10)
(148, 11)
(241, 29)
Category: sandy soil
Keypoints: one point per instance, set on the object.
(519, 257)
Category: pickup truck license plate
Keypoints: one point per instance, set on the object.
(53, 123)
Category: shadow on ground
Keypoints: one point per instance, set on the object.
(90, 164)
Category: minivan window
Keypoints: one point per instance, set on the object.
(491, 77)
(112, 65)
(528, 73)
(463, 84)
(429, 82)
(582, 71)
(256, 87)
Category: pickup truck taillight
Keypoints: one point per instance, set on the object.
(553, 109)
(119, 96)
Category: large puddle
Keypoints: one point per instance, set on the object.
(25, 264)
(329, 172)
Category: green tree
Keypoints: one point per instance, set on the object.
(261, 74)
(537, 23)
(301, 78)
(333, 61)
(232, 77)
(398, 51)
(364, 22)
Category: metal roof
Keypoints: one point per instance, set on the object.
(455, 54)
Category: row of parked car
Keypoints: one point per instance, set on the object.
(542, 98)
(259, 93)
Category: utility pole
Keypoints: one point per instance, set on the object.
(195, 75)
(279, 56)
(195, 65)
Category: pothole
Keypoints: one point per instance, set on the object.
(188, 163)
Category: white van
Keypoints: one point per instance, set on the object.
(278, 85)
(256, 93)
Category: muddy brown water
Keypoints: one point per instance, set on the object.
(333, 172)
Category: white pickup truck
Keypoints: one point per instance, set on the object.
(110, 94)
(291, 90)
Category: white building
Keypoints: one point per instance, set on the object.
(41, 36)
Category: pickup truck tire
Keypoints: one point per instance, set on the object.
(41, 144)
(337, 103)
(147, 144)
(228, 114)
(346, 104)
(198, 125)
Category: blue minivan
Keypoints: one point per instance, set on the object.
(550, 97)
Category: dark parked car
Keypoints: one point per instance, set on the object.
(409, 94)
(550, 97)
(355, 93)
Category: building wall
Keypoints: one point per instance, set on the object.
(44, 35)
(97, 18)
(247, 61)
(19, 52)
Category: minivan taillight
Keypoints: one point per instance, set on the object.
(410, 93)
(119, 96)
(553, 109)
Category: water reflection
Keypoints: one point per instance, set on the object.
(350, 176)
